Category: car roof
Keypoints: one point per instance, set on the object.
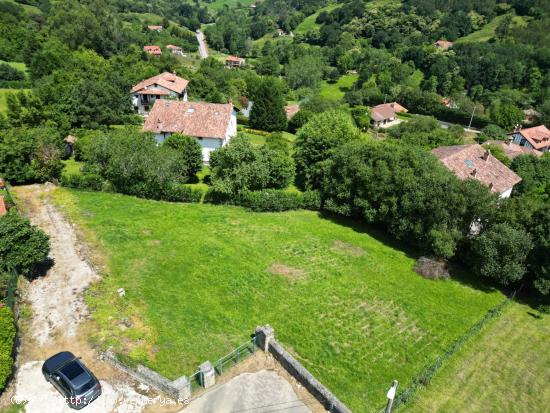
(75, 373)
(58, 360)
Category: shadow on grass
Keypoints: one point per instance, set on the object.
(457, 272)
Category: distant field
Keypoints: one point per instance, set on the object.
(309, 22)
(17, 65)
(505, 369)
(337, 90)
(28, 8)
(199, 278)
(219, 4)
(488, 31)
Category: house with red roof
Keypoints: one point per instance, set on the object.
(385, 115)
(3, 207)
(512, 150)
(157, 29)
(164, 86)
(153, 50)
(212, 124)
(291, 110)
(537, 138)
(175, 50)
(234, 61)
(476, 162)
(443, 44)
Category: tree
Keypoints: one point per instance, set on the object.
(505, 115)
(30, 154)
(534, 172)
(500, 253)
(268, 111)
(317, 140)
(189, 153)
(305, 71)
(492, 132)
(22, 245)
(239, 167)
(425, 131)
(268, 65)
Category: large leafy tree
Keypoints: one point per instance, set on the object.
(22, 246)
(406, 190)
(317, 140)
(268, 111)
(500, 253)
(240, 167)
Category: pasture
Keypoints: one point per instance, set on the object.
(342, 297)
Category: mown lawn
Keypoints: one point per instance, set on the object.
(505, 369)
(199, 279)
(487, 32)
(337, 90)
(309, 22)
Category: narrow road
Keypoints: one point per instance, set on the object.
(203, 49)
(447, 125)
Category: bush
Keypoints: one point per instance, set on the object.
(87, 181)
(23, 246)
(189, 153)
(268, 200)
(7, 338)
(181, 193)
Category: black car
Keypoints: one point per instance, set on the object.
(72, 378)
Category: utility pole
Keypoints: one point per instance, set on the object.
(472, 118)
(391, 396)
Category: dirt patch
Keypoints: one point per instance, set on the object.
(292, 273)
(433, 269)
(347, 249)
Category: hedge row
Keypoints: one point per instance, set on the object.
(7, 339)
(268, 200)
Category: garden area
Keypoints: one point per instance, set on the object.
(342, 297)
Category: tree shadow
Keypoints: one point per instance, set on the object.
(40, 269)
(456, 271)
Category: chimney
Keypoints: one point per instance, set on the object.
(486, 155)
(491, 185)
(474, 173)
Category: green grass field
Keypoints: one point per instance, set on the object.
(505, 369)
(17, 65)
(309, 22)
(488, 31)
(199, 279)
(337, 90)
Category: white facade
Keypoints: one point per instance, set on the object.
(208, 145)
(144, 102)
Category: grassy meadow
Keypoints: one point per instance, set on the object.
(504, 370)
(336, 91)
(199, 278)
(487, 32)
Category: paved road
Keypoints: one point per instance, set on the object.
(203, 49)
(261, 392)
(447, 125)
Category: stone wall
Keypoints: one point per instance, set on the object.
(266, 339)
(179, 389)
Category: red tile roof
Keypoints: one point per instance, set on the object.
(473, 161)
(152, 50)
(152, 92)
(444, 44)
(198, 119)
(3, 207)
(167, 80)
(291, 110)
(538, 136)
(512, 150)
(172, 47)
(155, 27)
(233, 59)
(386, 111)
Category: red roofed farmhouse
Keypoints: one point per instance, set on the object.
(212, 124)
(473, 161)
(154, 50)
(234, 61)
(534, 138)
(176, 50)
(443, 44)
(164, 86)
(386, 113)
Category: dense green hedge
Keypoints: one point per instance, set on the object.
(268, 200)
(86, 181)
(7, 338)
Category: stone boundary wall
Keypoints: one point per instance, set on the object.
(266, 340)
(179, 389)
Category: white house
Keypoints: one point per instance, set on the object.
(212, 124)
(164, 86)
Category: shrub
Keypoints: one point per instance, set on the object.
(87, 181)
(181, 193)
(189, 153)
(22, 246)
(7, 338)
(273, 200)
